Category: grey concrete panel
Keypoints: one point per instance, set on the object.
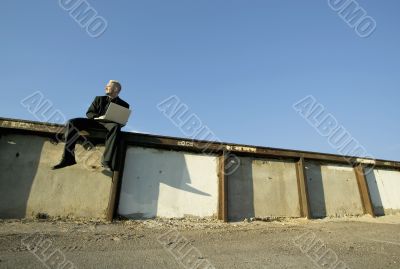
(241, 192)
(275, 189)
(333, 190)
(29, 187)
(263, 188)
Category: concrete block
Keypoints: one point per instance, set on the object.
(384, 188)
(333, 190)
(162, 183)
(263, 188)
(29, 187)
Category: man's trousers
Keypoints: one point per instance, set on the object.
(78, 124)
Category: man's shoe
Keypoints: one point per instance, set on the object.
(106, 166)
(64, 163)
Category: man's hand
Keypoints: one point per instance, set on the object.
(100, 118)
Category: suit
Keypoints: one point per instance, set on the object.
(97, 108)
(100, 104)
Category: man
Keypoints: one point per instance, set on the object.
(95, 111)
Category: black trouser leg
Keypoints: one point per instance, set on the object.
(111, 141)
(72, 134)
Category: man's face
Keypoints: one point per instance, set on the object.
(111, 89)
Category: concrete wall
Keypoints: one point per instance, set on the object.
(167, 183)
(333, 190)
(28, 186)
(384, 188)
(263, 188)
(161, 183)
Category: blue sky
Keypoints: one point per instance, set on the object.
(238, 65)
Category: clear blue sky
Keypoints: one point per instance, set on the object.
(238, 65)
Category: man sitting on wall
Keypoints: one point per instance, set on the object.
(97, 109)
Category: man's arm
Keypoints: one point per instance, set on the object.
(93, 111)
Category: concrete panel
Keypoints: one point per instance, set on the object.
(28, 186)
(160, 183)
(241, 191)
(263, 188)
(333, 190)
(384, 187)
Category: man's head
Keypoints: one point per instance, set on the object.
(113, 88)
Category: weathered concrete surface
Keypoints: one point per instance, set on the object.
(333, 190)
(168, 184)
(28, 186)
(263, 188)
(384, 188)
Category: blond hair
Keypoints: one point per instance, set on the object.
(116, 82)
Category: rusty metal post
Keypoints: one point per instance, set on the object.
(222, 189)
(364, 191)
(303, 189)
(116, 182)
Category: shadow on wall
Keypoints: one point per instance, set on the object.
(316, 191)
(241, 192)
(159, 183)
(384, 187)
(333, 191)
(27, 188)
(263, 188)
(19, 161)
(375, 195)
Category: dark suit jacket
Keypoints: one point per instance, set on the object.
(100, 104)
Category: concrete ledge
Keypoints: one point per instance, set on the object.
(176, 143)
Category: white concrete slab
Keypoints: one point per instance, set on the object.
(384, 187)
(162, 183)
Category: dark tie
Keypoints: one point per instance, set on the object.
(108, 104)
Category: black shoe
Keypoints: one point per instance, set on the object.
(106, 166)
(64, 163)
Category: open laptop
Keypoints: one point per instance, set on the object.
(116, 113)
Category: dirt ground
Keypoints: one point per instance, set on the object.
(361, 242)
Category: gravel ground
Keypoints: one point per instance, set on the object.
(361, 242)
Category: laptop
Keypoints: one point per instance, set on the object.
(116, 113)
